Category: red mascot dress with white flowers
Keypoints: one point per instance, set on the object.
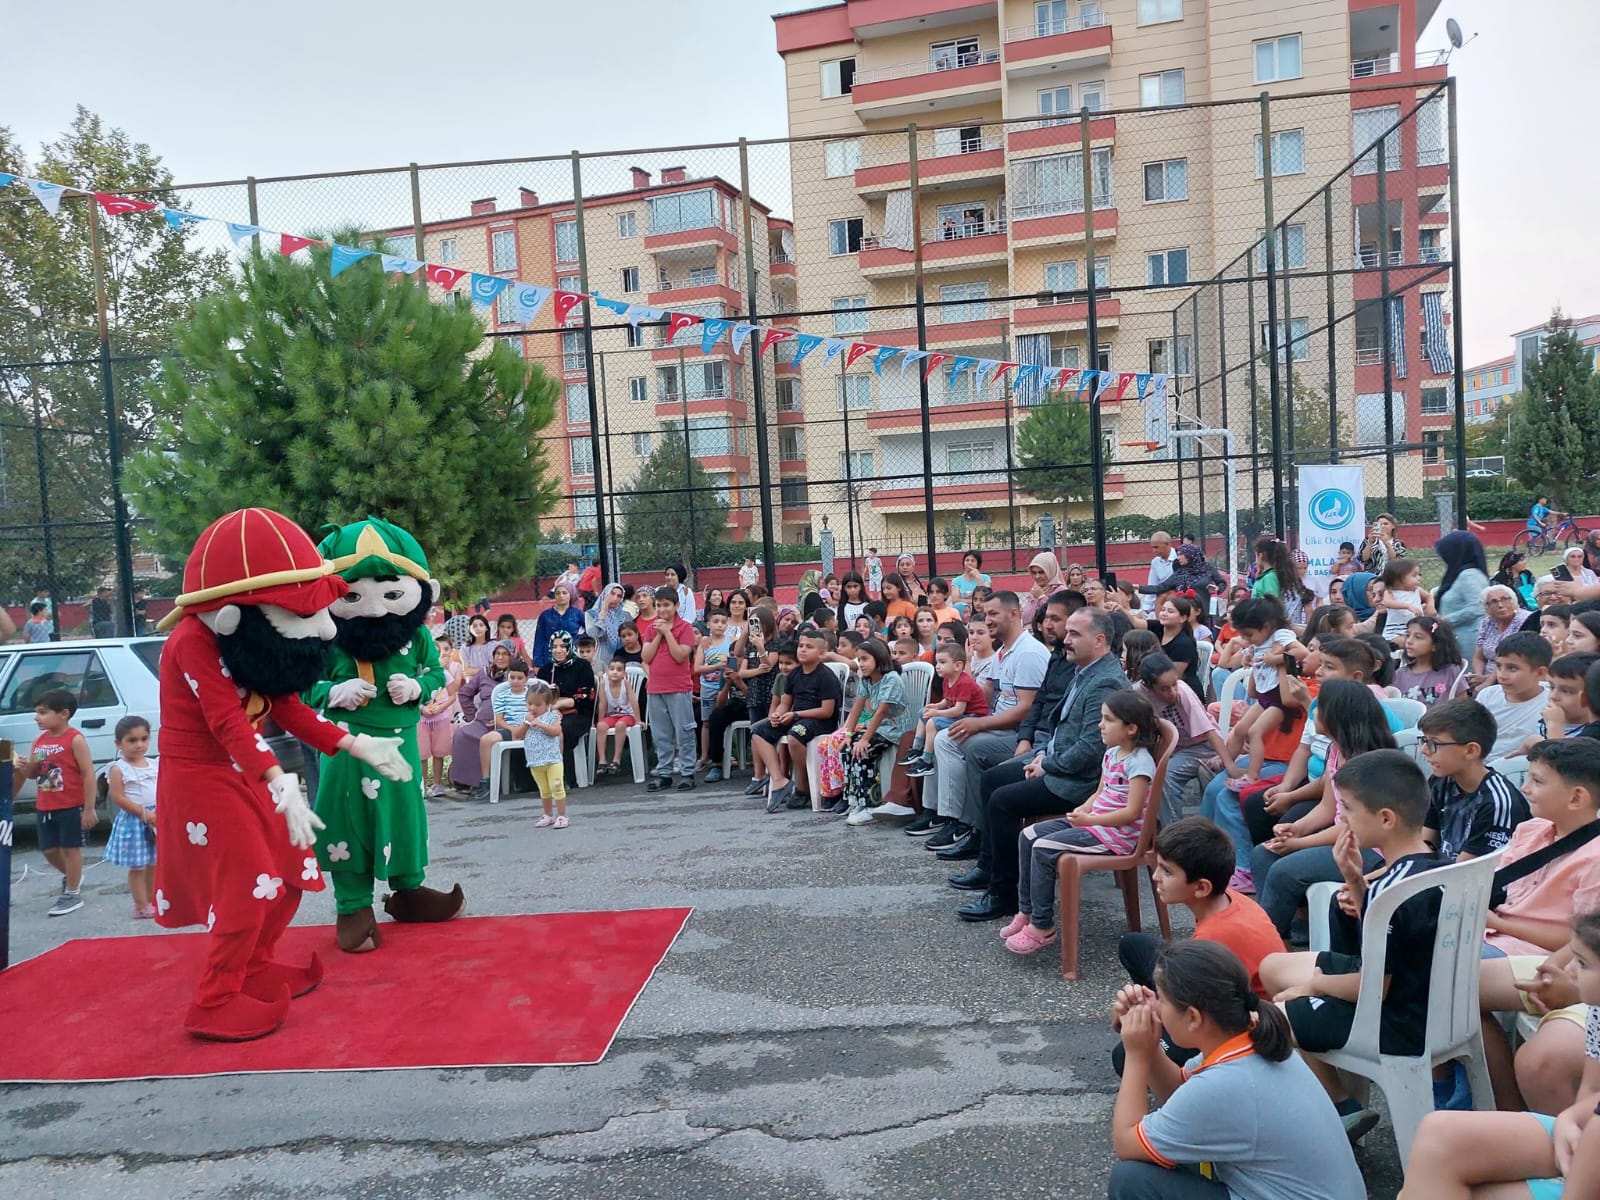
(225, 858)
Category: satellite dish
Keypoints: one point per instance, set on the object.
(1452, 31)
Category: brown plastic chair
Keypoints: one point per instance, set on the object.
(1070, 868)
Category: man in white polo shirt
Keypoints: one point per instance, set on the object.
(1160, 565)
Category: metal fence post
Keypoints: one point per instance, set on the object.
(119, 502)
(1199, 415)
(1177, 446)
(688, 460)
(1386, 321)
(1255, 387)
(255, 209)
(421, 277)
(607, 501)
(1222, 374)
(849, 468)
(1006, 347)
(763, 466)
(922, 344)
(602, 542)
(1455, 304)
(1333, 353)
(1097, 465)
(1280, 519)
(1286, 318)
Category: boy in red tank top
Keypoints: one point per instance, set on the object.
(61, 763)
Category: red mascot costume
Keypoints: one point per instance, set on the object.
(251, 630)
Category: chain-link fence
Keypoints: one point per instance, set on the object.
(1130, 241)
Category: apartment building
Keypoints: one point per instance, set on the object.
(667, 241)
(1175, 197)
(1492, 385)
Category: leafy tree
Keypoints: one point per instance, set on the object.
(48, 313)
(1304, 416)
(661, 523)
(1053, 451)
(330, 397)
(1555, 419)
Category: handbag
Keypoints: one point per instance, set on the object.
(1523, 867)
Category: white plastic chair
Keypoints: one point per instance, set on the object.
(1204, 650)
(736, 730)
(497, 770)
(813, 784)
(636, 680)
(1453, 1031)
(1409, 711)
(1233, 689)
(1409, 742)
(1515, 769)
(919, 683)
(1459, 687)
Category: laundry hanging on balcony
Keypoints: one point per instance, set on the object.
(1436, 340)
(1033, 350)
(1397, 335)
(899, 222)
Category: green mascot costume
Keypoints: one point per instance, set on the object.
(383, 664)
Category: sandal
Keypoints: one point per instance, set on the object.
(1017, 925)
(1028, 941)
(544, 822)
(560, 823)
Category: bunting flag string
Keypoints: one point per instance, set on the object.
(527, 300)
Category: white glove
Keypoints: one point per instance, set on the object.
(350, 693)
(383, 756)
(403, 689)
(290, 801)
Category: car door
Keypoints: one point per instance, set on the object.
(80, 671)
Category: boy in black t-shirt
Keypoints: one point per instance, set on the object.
(1474, 808)
(809, 707)
(1385, 808)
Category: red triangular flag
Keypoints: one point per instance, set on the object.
(857, 349)
(774, 335)
(121, 206)
(1001, 372)
(677, 322)
(445, 277)
(1124, 379)
(565, 303)
(288, 243)
(934, 362)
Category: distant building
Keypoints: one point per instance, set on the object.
(1491, 386)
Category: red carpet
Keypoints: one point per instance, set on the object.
(530, 991)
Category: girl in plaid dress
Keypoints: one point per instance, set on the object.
(132, 784)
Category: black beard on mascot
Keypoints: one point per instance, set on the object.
(372, 639)
(260, 659)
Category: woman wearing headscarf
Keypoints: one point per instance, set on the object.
(807, 593)
(477, 704)
(1191, 573)
(1358, 596)
(563, 616)
(1047, 580)
(573, 679)
(1514, 574)
(1574, 568)
(906, 567)
(1459, 597)
(603, 620)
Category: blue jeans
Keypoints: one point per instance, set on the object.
(1282, 882)
(1222, 806)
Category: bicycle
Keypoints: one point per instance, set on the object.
(1534, 543)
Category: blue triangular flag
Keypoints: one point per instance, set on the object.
(741, 334)
(528, 299)
(1143, 384)
(832, 348)
(1085, 378)
(1158, 388)
(884, 354)
(1024, 373)
(240, 233)
(47, 194)
(642, 312)
(985, 366)
(804, 344)
(711, 333)
(5, 179)
(486, 289)
(961, 364)
(1107, 378)
(620, 307)
(395, 262)
(180, 220)
(912, 356)
(345, 256)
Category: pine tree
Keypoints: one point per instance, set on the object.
(1053, 451)
(1555, 420)
(331, 397)
(661, 522)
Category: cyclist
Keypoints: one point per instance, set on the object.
(1539, 518)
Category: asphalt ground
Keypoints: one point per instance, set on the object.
(824, 1027)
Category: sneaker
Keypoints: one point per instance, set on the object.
(544, 822)
(1358, 1123)
(946, 836)
(859, 816)
(755, 787)
(894, 810)
(714, 775)
(1242, 881)
(436, 791)
(560, 823)
(836, 807)
(920, 768)
(686, 784)
(480, 792)
(66, 902)
(927, 823)
(658, 783)
(1241, 783)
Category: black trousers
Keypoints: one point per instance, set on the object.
(1260, 822)
(573, 727)
(1010, 808)
(1138, 952)
(719, 722)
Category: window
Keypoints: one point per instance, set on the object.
(1061, 277)
(976, 293)
(1296, 335)
(1050, 17)
(1102, 272)
(684, 210)
(837, 77)
(1167, 180)
(632, 336)
(627, 224)
(1066, 356)
(572, 356)
(1529, 350)
(853, 392)
(1291, 248)
(969, 456)
(841, 158)
(1102, 360)
(580, 453)
(1164, 87)
(856, 465)
(792, 493)
(1278, 58)
(956, 52)
(1432, 445)
(1055, 102)
(1153, 12)
(570, 283)
(788, 401)
(1288, 152)
(641, 444)
(962, 221)
(449, 251)
(577, 404)
(849, 315)
(1092, 95)
(566, 241)
(1433, 143)
(960, 139)
(791, 444)
(78, 671)
(1167, 267)
(720, 483)
(503, 249)
(705, 381)
(1162, 360)
(1435, 401)
(630, 279)
(1367, 125)
(585, 513)
(505, 308)
(639, 390)
(709, 437)
(402, 245)
(1050, 186)
(844, 235)
(1372, 420)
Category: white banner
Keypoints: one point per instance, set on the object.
(1332, 510)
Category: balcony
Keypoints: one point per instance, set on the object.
(942, 81)
(1044, 46)
(884, 18)
(782, 266)
(963, 323)
(1066, 312)
(973, 489)
(966, 160)
(1053, 222)
(672, 242)
(698, 286)
(1060, 133)
(702, 400)
(947, 247)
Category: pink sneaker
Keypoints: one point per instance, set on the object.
(1027, 940)
(560, 822)
(146, 913)
(1242, 882)
(544, 822)
(1017, 925)
(1242, 782)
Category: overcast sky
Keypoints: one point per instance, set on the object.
(227, 90)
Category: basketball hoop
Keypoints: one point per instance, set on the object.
(1150, 447)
